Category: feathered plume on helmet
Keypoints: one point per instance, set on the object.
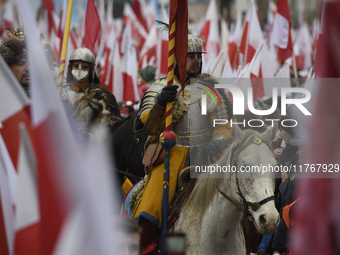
(13, 49)
(194, 42)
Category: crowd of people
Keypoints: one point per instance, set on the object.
(89, 104)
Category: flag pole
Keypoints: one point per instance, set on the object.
(248, 32)
(168, 137)
(64, 48)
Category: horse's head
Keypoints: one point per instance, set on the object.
(254, 181)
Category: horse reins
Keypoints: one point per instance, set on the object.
(246, 205)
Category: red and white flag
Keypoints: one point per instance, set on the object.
(8, 187)
(303, 48)
(93, 26)
(138, 6)
(234, 42)
(113, 77)
(321, 196)
(130, 76)
(210, 36)
(149, 50)
(281, 34)
(63, 184)
(138, 32)
(27, 223)
(162, 48)
(48, 5)
(15, 109)
(252, 34)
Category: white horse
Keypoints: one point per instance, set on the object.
(211, 217)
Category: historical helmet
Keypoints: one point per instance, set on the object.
(194, 44)
(82, 54)
(12, 50)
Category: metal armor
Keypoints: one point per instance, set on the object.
(81, 110)
(193, 128)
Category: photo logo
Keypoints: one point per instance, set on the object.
(239, 99)
(204, 97)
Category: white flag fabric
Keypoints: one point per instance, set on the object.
(63, 184)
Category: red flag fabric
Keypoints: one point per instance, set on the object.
(234, 41)
(317, 219)
(93, 26)
(48, 5)
(137, 7)
(130, 76)
(254, 36)
(15, 109)
(281, 34)
(149, 49)
(27, 208)
(179, 14)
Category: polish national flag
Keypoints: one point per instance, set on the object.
(15, 109)
(303, 49)
(252, 34)
(321, 195)
(149, 49)
(281, 35)
(234, 41)
(261, 67)
(48, 5)
(130, 76)
(162, 48)
(138, 32)
(8, 198)
(270, 18)
(113, 77)
(93, 26)
(138, 6)
(65, 184)
(27, 224)
(210, 36)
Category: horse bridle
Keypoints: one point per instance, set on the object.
(246, 205)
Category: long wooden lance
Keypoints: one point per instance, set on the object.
(64, 47)
(168, 137)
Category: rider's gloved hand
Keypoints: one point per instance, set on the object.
(168, 94)
(210, 149)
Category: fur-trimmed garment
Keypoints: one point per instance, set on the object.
(91, 104)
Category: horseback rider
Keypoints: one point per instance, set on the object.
(194, 131)
(87, 100)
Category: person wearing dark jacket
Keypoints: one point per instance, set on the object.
(288, 160)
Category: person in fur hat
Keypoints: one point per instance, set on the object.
(88, 101)
(14, 53)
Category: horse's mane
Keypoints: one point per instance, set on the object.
(206, 185)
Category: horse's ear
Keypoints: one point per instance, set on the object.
(270, 133)
(236, 131)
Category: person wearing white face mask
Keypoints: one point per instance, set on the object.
(88, 101)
